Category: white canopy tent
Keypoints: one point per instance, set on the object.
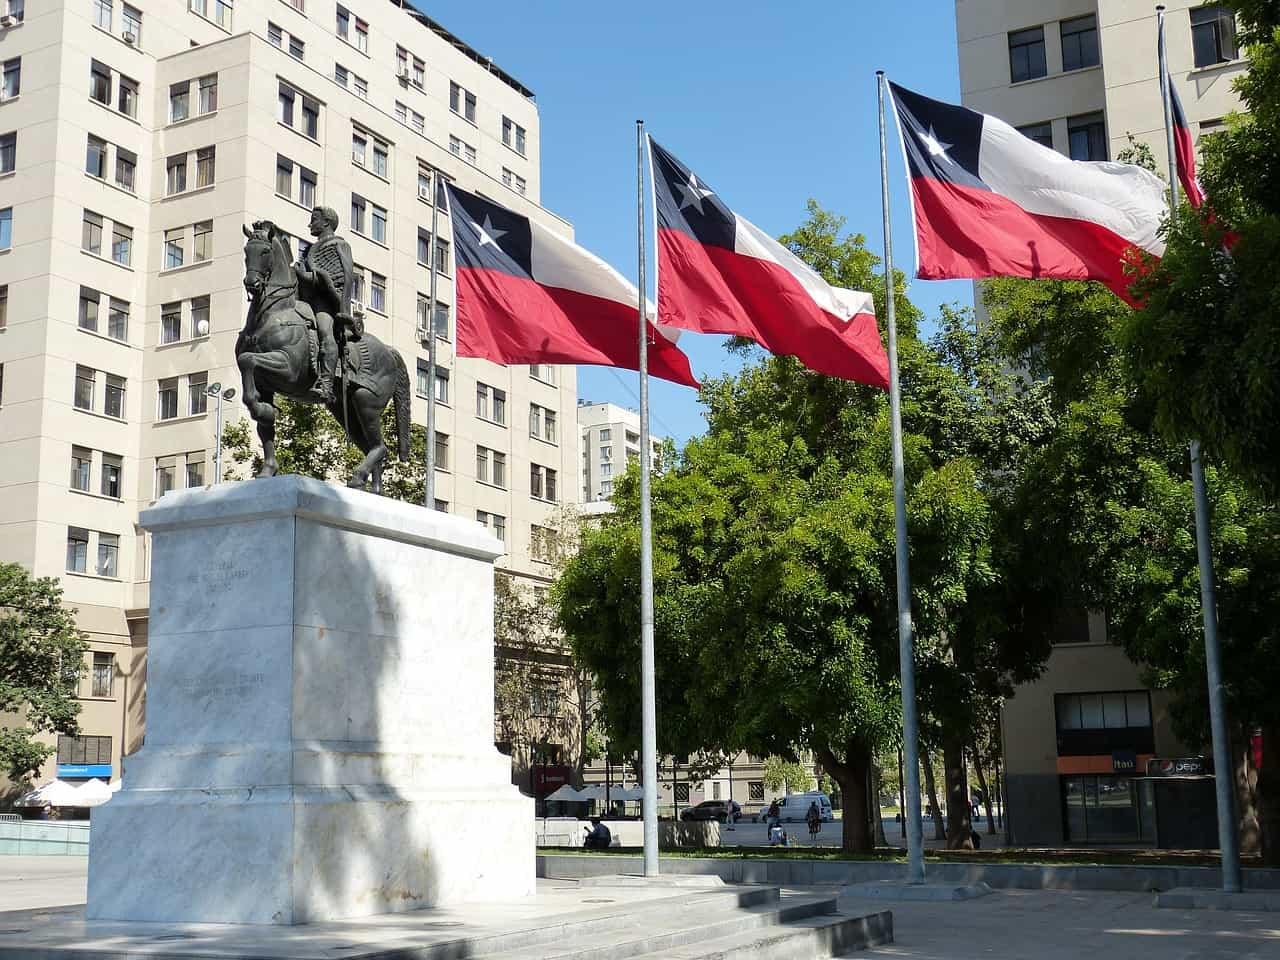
(94, 793)
(567, 794)
(55, 793)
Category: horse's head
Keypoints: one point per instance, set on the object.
(266, 257)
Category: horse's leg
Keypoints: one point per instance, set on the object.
(367, 411)
(272, 364)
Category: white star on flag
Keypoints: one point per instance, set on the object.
(487, 233)
(694, 194)
(935, 148)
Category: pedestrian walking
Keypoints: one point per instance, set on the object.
(814, 819)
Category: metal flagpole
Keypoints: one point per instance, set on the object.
(1208, 600)
(429, 485)
(648, 708)
(906, 644)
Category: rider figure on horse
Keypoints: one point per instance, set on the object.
(325, 277)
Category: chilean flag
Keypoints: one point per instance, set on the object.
(528, 295)
(989, 202)
(719, 273)
(1184, 150)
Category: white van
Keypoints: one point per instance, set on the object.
(794, 807)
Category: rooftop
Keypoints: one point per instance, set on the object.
(464, 48)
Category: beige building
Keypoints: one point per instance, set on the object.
(610, 438)
(136, 139)
(1082, 76)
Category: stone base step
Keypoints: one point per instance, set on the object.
(830, 935)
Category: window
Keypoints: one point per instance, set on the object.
(131, 23)
(358, 206)
(310, 118)
(544, 372)
(402, 63)
(111, 466)
(1103, 711)
(284, 176)
(118, 320)
(171, 323)
(343, 28)
(359, 147)
(362, 36)
(4, 305)
(542, 482)
(379, 224)
(113, 405)
(17, 9)
(441, 326)
(442, 451)
(542, 543)
(357, 285)
(121, 243)
(341, 74)
(491, 467)
(102, 13)
(95, 161)
(127, 97)
(205, 166)
(606, 453)
(462, 102)
(1041, 133)
(361, 87)
(166, 475)
(89, 300)
(167, 399)
(84, 749)
(606, 470)
(306, 190)
(275, 36)
(104, 665)
(179, 101)
(202, 244)
(81, 463)
(491, 403)
(542, 423)
(286, 98)
(1213, 35)
(755, 790)
(513, 135)
(1079, 43)
(606, 435)
(208, 94)
(11, 78)
(99, 82)
(1026, 55)
(496, 524)
(91, 233)
(297, 48)
(200, 318)
(108, 554)
(197, 399)
(419, 73)
(195, 469)
(1087, 137)
(6, 228)
(175, 174)
(514, 181)
(377, 292)
(424, 369)
(460, 148)
(442, 385)
(86, 381)
(126, 169)
(77, 550)
(8, 151)
(606, 488)
(222, 13)
(380, 152)
(173, 240)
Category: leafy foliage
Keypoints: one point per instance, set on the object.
(788, 776)
(41, 663)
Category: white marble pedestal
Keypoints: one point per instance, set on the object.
(319, 739)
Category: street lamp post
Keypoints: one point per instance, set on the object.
(215, 390)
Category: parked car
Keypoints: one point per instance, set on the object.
(794, 807)
(717, 810)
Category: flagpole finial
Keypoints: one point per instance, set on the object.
(1159, 8)
(879, 73)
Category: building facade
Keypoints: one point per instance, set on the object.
(610, 441)
(136, 140)
(1082, 76)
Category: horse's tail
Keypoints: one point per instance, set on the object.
(401, 399)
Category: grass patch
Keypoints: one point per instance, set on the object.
(1128, 858)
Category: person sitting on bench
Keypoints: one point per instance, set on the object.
(598, 836)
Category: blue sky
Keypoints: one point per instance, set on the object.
(770, 103)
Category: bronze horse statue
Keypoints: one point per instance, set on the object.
(277, 354)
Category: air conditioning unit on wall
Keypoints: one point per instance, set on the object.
(8, 21)
(128, 38)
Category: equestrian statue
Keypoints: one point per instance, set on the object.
(301, 341)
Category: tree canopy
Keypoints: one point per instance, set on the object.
(41, 663)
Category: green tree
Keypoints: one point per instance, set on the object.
(1107, 501)
(41, 663)
(775, 605)
(1203, 352)
(790, 776)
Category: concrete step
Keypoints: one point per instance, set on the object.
(656, 931)
(810, 938)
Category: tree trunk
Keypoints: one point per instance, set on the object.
(874, 800)
(1246, 792)
(959, 821)
(1269, 795)
(851, 773)
(931, 788)
(986, 790)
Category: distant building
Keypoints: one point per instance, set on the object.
(610, 440)
(1080, 76)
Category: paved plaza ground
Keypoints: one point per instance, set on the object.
(1012, 924)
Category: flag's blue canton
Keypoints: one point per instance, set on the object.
(687, 204)
(942, 140)
(489, 237)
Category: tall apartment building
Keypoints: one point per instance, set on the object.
(136, 138)
(1081, 76)
(610, 441)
